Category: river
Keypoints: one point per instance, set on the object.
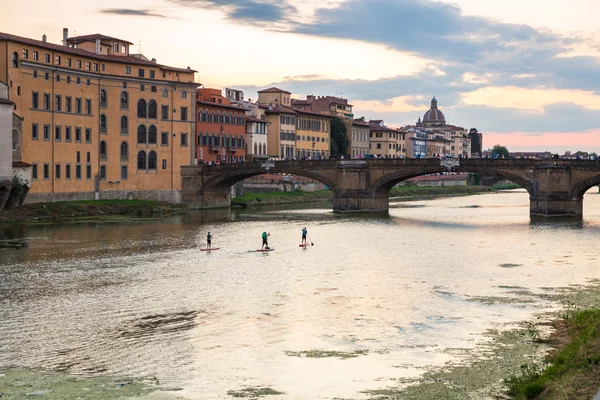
(393, 293)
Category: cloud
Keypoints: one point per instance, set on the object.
(131, 12)
(251, 11)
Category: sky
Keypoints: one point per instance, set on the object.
(525, 73)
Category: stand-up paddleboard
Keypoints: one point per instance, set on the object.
(264, 250)
(211, 249)
(304, 245)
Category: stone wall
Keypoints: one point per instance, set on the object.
(169, 196)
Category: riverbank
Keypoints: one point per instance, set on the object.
(318, 196)
(90, 210)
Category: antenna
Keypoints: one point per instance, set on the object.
(140, 47)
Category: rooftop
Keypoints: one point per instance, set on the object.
(274, 90)
(93, 37)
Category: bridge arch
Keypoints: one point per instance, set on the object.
(583, 186)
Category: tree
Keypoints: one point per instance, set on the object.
(473, 131)
(339, 140)
(501, 151)
(361, 119)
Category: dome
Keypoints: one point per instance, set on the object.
(433, 115)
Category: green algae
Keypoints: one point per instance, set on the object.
(326, 354)
(253, 392)
(19, 384)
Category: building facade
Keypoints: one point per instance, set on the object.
(336, 106)
(358, 133)
(384, 142)
(99, 122)
(312, 135)
(256, 138)
(220, 129)
(281, 135)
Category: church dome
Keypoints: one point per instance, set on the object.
(433, 115)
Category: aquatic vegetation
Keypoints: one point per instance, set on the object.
(326, 353)
(253, 392)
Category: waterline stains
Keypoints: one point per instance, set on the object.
(342, 355)
(254, 392)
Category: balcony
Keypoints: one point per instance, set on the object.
(232, 149)
(215, 148)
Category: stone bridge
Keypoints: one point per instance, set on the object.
(556, 187)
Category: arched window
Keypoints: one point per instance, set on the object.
(152, 160)
(124, 151)
(15, 60)
(165, 93)
(212, 117)
(141, 134)
(103, 97)
(102, 123)
(242, 120)
(255, 148)
(116, 48)
(124, 100)
(152, 134)
(230, 119)
(212, 140)
(142, 108)
(103, 150)
(184, 95)
(264, 148)
(152, 109)
(141, 160)
(124, 124)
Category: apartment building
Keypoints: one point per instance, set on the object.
(312, 134)
(383, 141)
(99, 122)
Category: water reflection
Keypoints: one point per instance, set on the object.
(399, 290)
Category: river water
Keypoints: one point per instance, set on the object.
(140, 300)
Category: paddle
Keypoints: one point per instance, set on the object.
(311, 243)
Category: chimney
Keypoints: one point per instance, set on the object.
(44, 38)
(65, 36)
(153, 61)
(98, 49)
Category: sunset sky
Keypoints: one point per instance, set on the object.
(526, 73)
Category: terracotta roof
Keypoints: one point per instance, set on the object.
(254, 119)
(88, 54)
(20, 164)
(91, 38)
(210, 103)
(360, 123)
(6, 101)
(277, 109)
(273, 90)
(382, 128)
(302, 111)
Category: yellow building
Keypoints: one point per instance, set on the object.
(281, 135)
(312, 134)
(385, 142)
(99, 122)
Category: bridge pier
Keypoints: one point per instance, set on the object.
(555, 206)
(360, 202)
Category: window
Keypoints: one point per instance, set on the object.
(57, 133)
(78, 136)
(124, 172)
(46, 101)
(88, 172)
(69, 63)
(88, 156)
(164, 164)
(141, 160)
(35, 74)
(35, 100)
(152, 109)
(152, 74)
(34, 172)
(102, 98)
(124, 85)
(128, 70)
(103, 123)
(88, 135)
(15, 60)
(124, 100)
(88, 82)
(103, 154)
(58, 102)
(46, 76)
(47, 132)
(88, 106)
(57, 60)
(67, 171)
(124, 151)
(78, 63)
(153, 89)
(142, 88)
(67, 134)
(124, 49)
(184, 95)
(152, 160)
(124, 124)
(95, 67)
(116, 47)
(141, 137)
(103, 172)
(47, 58)
(34, 132)
(57, 171)
(46, 172)
(184, 140)
(141, 108)
(164, 138)
(36, 56)
(68, 101)
(165, 93)
(78, 106)
(87, 65)
(78, 172)
(184, 113)
(68, 79)
(25, 54)
(78, 81)
(141, 73)
(164, 111)
(152, 134)
(103, 67)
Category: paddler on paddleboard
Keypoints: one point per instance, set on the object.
(265, 241)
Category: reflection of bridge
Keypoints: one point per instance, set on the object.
(555, 188)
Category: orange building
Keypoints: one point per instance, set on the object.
(220, 129)
(99, 122)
